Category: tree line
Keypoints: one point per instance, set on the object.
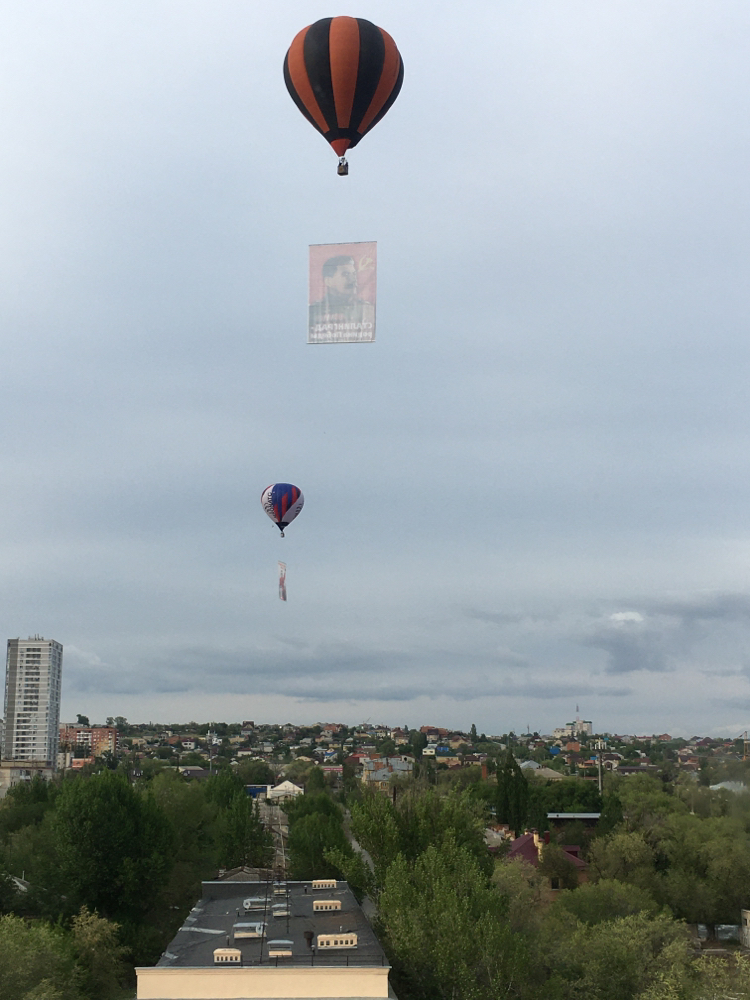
(129, 857)
(111, 866)
(458, 923)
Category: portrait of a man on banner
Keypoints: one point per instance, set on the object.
(342, 293)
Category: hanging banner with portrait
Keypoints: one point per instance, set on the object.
(343, 285)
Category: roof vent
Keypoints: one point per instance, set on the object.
(324, 883)
(326, 904)
(344, 939)
(254, 903)
(280, 948)
(244, 929)
(227, 956)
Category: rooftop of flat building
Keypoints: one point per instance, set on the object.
(281, 915)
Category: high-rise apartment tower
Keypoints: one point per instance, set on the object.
(32, 700)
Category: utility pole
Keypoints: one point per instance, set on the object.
(600, 745)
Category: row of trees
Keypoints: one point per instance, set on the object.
(114, 866)
(133, 855)
(455, 923)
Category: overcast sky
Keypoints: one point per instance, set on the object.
(530, 493)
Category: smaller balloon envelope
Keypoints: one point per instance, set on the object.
(282, 502)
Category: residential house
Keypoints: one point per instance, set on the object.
(530, 846)
(285, 791)
(378, 771)
(547, 774)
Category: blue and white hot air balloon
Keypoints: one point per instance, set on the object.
(282, 502)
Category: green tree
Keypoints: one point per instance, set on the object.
(645, 803)
(428, 818)
(298, 770)
(705, 867)
(618, 959)
(26, 804)
(255, 772)
(625, 857)
(310, 837)
(221, 788)
(512, 793)
(36, 962)
(354, 868)
(100, 956)
(193, 819)
(376, 827)
(315, 781)
(705, 772)
(418, 820)
(719, 979)
(113, 846)
(82, 720)
(523, 886)
(595, 902)
(446, 930)
(243, 839)
(611, 815)
(315, 802)
(10, 900)
(316, 827)
(387, 747)
(568, 795)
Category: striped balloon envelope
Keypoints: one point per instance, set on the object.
(343, 73)
(282, 502)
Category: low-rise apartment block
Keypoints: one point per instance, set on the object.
(96, 739)
(264, 939)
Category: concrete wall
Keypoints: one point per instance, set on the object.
(269, 983)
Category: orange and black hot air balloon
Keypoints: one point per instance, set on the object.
(343, 73)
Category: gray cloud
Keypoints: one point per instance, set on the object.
(507, 617)
(708, 607)
(630, 646)
(331, 673)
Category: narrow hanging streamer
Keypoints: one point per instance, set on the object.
(282, 581)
